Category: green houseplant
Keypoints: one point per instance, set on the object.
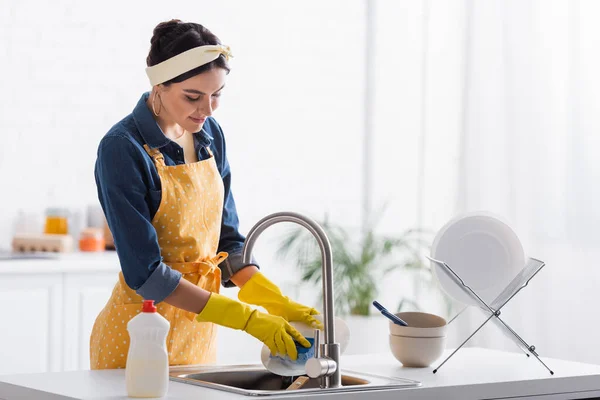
(361, 260)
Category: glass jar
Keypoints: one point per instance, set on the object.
(56, 221)
(92, 239)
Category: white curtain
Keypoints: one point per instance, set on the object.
(525, 145)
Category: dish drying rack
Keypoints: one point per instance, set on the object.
(520, 281)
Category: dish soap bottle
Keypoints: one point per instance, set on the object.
(147, 368)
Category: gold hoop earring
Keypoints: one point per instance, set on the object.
(153, 106)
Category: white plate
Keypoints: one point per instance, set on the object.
(287, 367)
(484, 251)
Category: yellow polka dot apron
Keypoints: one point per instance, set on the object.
(188, 225)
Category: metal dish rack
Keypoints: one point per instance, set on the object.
(521, 280)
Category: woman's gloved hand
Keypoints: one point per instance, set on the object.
(275, 332)
(262, 292)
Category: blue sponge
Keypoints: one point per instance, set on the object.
(304, 353)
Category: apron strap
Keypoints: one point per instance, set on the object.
(156, 155)
(203, 268)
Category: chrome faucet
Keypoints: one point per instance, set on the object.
(326, 363)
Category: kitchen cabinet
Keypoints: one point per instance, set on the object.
(31, 323)
(48, 309)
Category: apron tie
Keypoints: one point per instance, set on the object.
(202, 268)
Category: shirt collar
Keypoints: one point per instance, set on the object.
(204, 136)
(151, 133)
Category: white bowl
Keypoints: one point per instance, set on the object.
(420, 324)
(417, 352)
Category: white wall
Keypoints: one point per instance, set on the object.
(291, 112)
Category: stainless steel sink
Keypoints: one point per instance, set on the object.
(255, 380)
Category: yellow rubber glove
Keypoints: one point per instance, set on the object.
(275, 332)
(262, 292)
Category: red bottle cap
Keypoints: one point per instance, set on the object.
(148, 306)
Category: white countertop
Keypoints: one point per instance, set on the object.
(64, 262)
(471, 374)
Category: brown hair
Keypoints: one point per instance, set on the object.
(173, 37)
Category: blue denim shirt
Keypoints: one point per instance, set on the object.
(129, 190)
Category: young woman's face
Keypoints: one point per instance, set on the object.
(190, 102)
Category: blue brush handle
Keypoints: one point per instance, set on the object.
(392, 317)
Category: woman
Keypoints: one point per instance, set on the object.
(165, 187)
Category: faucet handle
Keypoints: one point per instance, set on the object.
(318, 367)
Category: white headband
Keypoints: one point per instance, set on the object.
(186, 61)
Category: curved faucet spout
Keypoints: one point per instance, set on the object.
(329, 347)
